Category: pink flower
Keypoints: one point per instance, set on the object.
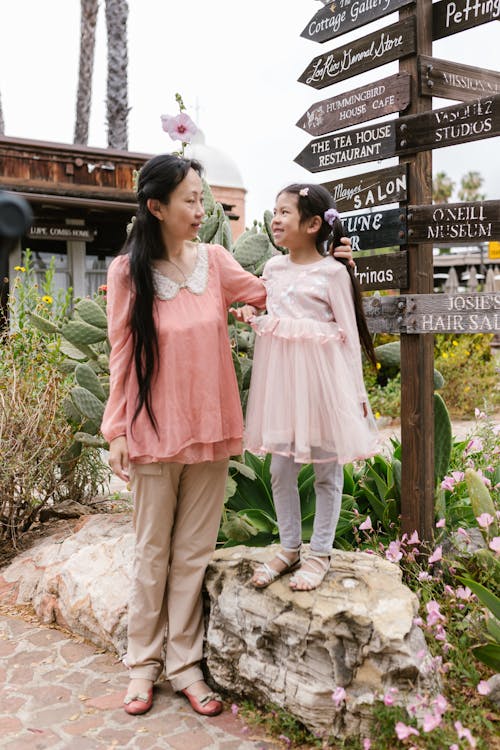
(441, 523)
(338, 696)
(479, 414)
(424, 576)
(495, 544)
(367, 744)
(418, 621)
(440, 704)
(285, 739)
(234, 709)
(404, 731)
(474, 446)
(463, 533)
(454, 747)
(389, 696)
(465, 733)
(436, 556)
(483, 688)
(463, 593)
(447, 483)
(393, 552)
(431, 721)
(433, 613)
(366, 525)
(180, 128)
(439, 633)
(414, 538)
(484, 520)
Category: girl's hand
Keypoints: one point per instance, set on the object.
(118, 457)
(243, 313)
(365, 410)
(344, 250)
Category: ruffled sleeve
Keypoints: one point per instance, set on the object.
(119, 299)
(342, 303)
(238, 285)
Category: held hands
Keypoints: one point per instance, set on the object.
(118, 457)
(345, 251)
(243, 313)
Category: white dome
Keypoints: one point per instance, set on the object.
(220, 169)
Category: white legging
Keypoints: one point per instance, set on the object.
(328, 485)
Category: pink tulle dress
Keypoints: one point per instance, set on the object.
(307, 391)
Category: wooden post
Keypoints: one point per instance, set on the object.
(417, 350)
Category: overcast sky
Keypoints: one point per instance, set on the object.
(235, 63)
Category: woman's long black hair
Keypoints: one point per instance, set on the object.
(315, 200)
(157, 179)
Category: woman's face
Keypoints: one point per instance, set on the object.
(181, 217)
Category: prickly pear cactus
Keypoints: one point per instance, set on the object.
(480, 498)
(252, 250)
(442, 439)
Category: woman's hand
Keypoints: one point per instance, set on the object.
(118, 457)
(344, 250)
(243, 313)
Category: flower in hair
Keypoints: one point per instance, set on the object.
(331, 215)
(304, 192)
(135, 180)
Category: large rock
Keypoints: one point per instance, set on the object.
(273, 645)
(295, 649)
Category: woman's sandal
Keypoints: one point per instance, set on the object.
(312, 575)
(264, 574)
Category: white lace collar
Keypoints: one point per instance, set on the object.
(196, 282)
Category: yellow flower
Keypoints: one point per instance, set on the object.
(377, 415)
(19, 268)
(455, 343)
(444, 355)
(378, 365)
(467, 389)
(467, 353)
(47, 299)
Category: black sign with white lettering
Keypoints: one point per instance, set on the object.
(456, 223)
(370, 189)
(459, 123)
(349, 147)
(365, 103)
(451, 80)
(61, 232)
(452, 16)
(374, 229)
(384, 271)
(379, 48)
(337, 18)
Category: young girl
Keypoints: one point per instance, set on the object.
(307, 400)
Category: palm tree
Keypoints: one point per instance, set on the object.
(442, 188)
(2, 124)
(469, 187)
(117, 94)
(88, 22)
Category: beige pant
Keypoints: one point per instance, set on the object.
(176, 517)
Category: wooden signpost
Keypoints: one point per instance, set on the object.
(337, 18)
(451, 80)
(369, 52)
(370, 189)
(417, 314)
(365, 103)
(457, 223)
(451, 16)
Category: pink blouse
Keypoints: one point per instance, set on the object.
(194, 394)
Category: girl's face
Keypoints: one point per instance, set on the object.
(286, 226)
(181, 216)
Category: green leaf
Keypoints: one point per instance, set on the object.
(489, 655)
(493, 628)
(242, 468)
(260, 520)
(488, 598)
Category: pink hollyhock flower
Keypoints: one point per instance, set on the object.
(433, 613)
(464, 733)
(393, 552)
(404, 731)
(441, 523)
(366, 525)
(431, 721)
(495, 544)
(436, 556)
(338, 696)
(485, 520)
(483, 688)
(180, 128)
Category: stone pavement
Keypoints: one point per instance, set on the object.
(59, 692)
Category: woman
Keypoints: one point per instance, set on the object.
(173, 418)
